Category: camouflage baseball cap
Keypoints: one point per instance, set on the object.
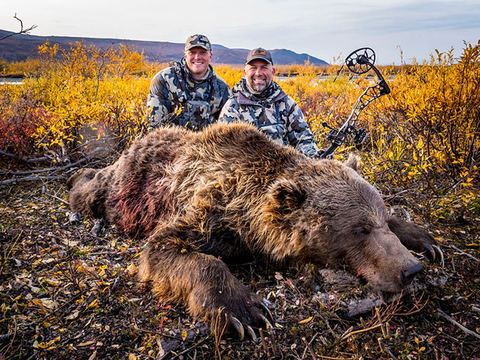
(198, 40)
(259, 53)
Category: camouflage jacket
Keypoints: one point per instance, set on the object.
(177, 98)
(276, 114)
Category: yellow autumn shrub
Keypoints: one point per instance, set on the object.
(423, 144)
(423, 138)
(428, 136)
(84, 94)
(230, 74)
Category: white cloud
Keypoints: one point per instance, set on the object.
(324, 29)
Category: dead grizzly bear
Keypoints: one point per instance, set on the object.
(228, 193)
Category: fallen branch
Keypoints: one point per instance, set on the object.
(455, 322)
(30, 178)
(27, 172)
(386, 349)
(18, 158)
(54, 169)
(390, 311)
(57, 198)
(38, 160)
(464, 253)
(309, 346)
(347, 333)
(5, 337)
(13, 156)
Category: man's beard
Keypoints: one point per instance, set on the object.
(257, 88)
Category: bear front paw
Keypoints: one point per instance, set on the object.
(238, 311)
(415, 238)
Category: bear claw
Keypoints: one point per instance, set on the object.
(440, 253)
(265, 308)
(239, 327)
(434, 252)
(251, 332)
(431, 251)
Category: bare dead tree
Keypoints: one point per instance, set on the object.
(22, 30)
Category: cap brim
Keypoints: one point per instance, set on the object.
(200, 46)
(261, 58)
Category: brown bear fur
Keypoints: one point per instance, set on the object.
(228, 194)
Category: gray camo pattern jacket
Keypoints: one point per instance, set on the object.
(274, 113)
(177, 98)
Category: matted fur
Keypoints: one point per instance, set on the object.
(229, 194)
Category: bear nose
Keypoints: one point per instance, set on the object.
(406, 276)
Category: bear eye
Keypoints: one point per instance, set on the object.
(361, 230)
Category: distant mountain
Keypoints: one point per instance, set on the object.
(20, 47)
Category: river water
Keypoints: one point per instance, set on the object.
(11, 81)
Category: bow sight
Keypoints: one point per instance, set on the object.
(359, 62)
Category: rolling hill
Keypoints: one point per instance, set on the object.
(20, 47)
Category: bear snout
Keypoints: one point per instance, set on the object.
(406, 276)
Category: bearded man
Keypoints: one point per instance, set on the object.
(259, 100)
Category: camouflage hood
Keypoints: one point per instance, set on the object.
(177, 98)
(246, 96)
(272, 112)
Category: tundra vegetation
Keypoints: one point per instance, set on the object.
(69, 292)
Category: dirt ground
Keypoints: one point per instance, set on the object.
(70, 292)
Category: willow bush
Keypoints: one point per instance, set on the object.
(422, 148)
(423, 137)
(78, 91)
(432, 119)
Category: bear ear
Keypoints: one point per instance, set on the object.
(353, 162)
(286, 197)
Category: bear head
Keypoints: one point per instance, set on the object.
(327, 214)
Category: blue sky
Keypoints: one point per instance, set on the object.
(327, 29)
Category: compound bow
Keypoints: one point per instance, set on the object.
(359, 62)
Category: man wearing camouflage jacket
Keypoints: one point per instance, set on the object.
(188, 93)
(258, 100)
